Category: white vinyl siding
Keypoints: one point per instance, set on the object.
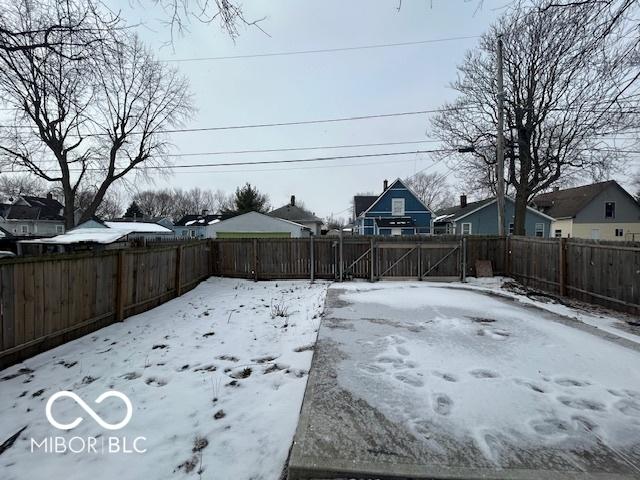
(397, 207)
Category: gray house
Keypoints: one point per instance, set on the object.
(600, 211)
(297, 214)
(481, 218)
(29, 216)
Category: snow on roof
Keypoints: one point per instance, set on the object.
(216, 220)
(144, 227)
(79, 235)
(442, 217)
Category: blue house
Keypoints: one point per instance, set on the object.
(481, 218)
(396, 211)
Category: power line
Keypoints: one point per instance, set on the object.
(260, 162)
(321, 50)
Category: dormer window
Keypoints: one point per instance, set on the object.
(609, 209)
(397, 207)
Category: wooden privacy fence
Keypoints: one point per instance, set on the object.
(604, 273)
(49, 300)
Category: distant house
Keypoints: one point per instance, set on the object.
(258, 225)
(481, 218)
(600, 211)
(29, 216)
(95, 234)
(396, 211)
(297, 214)
(197, 226)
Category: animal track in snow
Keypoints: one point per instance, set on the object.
(530, 385)
(402, 351)
(156, 382)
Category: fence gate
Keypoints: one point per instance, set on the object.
(425, 261)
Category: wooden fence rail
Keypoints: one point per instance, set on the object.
(49, 300)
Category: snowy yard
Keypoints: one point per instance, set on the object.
(216, 379)
(445, 378)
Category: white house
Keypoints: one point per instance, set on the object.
(258, 225)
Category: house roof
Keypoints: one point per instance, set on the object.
(234, 219)
(363, 202)
(294, 213)
(451, 213)
(568, 202)
(84, 235)
(196, 220)
(49, 203)
(25, 212)
(390, 187)
(138, 227)
(454, 214)
(395, 222)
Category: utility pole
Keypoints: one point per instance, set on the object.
(500, 144)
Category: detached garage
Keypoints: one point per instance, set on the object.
(258, 225)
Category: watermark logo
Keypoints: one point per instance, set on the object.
(89, 410)
(99, 444)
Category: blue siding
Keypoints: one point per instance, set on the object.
(382, 208)
(485, 220)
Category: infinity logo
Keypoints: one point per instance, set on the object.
(89, 410)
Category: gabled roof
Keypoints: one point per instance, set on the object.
(390, 187)
(453, 214)
(294, 213)
(19, 211)
(49, 203)
(568, 202)
(363, 202)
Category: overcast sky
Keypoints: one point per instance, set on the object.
(316, 86)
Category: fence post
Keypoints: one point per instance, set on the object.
(255, 259)
(311, 259)
(372, 263)
(341, 265)
(507, 256)
(120, 286)
(562, 267)
(420, 260)
(464, 259)
(211, 257)
(179, 271)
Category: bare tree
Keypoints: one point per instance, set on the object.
(568, 81)
(433, 189)
(175, 203)
(15, 185)
(88, 112)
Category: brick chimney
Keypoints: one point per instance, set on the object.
(49, 196)
(205, 212)
(463, 201)
(293, 200)
(385, 184)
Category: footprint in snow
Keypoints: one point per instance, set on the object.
(482, 373)
(628, 407)
(531, 385)
(448, 377)
(550, 427)
(571, 382)
(131, 375)
(156, 382)
(581, 403)
(442, 404)
(409, 380)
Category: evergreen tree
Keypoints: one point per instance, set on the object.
(248, 199)
(133, 211)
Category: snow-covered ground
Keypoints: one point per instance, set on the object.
(443, 360)
(610, 323)
(215, 377)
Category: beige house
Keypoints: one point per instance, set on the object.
(600, 211)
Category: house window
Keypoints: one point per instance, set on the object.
(466, 229)
(619, 232)
(59, 229)
(557, 233)
(24, 229)
(511, 228)
(609, 209)
(396, 232)
(192, 233)
(397, 207)
(539, 229)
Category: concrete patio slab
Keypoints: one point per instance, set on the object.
(417, 381)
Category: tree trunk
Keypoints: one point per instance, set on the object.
(69, 207)
(520, 212)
